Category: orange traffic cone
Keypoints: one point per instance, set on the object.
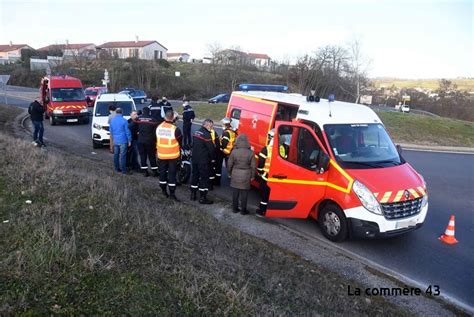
(448, 236)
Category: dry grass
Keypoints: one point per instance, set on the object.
(432, 84)
(92, 242)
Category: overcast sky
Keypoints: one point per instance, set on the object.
(405, 39)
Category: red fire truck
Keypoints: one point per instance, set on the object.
(63, 100)
(339, 166)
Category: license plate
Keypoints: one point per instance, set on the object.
(405, 224)
(71, 120)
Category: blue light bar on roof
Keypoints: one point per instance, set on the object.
(249, 87)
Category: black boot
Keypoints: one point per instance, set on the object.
(244, 212)
(203, 199)
(145, 173)
(172, 194)
(193, 194)
(155, 173)
(163, 189)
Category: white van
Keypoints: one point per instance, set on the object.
(100, 116)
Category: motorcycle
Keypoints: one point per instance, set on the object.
(184, 166)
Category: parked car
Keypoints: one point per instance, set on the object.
(139, 96)
(405, 108)
(100, 116)
(92, 93)
(220, 98)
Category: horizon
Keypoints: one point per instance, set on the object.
(401, 40)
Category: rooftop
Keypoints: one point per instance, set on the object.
(341, 112)
(12, 47)
(128, 44)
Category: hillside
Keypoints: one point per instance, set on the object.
(432, 84)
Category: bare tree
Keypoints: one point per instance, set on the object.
(358, 66)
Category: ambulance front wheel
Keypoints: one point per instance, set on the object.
(333, 223)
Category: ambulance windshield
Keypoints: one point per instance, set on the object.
(362, 145)
(68, 94)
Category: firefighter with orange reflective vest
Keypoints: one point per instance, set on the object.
(227, 139)
(168, 148)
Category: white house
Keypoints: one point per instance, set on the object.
(12, 52)
(260, 60)
(178, 57)
(139, 49)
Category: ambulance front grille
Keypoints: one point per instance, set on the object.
(402, 209)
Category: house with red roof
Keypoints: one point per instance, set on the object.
(12, 51)
(149, 50)
(236, 57)
(260, 60)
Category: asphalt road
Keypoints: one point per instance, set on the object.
(418, 255)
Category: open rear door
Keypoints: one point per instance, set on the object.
(294, 184)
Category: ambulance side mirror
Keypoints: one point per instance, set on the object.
(399, 149)
(323, 163)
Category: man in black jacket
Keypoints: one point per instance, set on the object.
(188, 117)
(155, 109)
(146, 128)
(203, 154)
(36, 112)
(165, 106)
(132, 152)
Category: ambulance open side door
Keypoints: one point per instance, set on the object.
(298, 171)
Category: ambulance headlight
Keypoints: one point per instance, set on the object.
(424, 202)
(57, 111)
(84, 110)
(96, 126)
(366, 197)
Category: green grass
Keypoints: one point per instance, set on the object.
(423, 130)
(96, 243)
(403, 128)
(432, 84)
(216, 112)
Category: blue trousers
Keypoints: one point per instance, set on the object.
(39, 130)
(120, 157)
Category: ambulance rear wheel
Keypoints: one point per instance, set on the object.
(333, 223)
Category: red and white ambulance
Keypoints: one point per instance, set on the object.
(340, 166)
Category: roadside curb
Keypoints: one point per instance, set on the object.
(437, 148)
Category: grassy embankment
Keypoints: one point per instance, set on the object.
(432, 84)
(404, 128)
(95, 243)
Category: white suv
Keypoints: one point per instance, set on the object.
(100, 116)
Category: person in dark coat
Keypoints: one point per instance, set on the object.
(188, 117)
(36, 111)
(202, 155)
(132, 153)
(146, 128)
(155, 110)
(241, 168)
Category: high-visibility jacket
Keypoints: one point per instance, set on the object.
(264, 161)
(228, 140)
(167, 146)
